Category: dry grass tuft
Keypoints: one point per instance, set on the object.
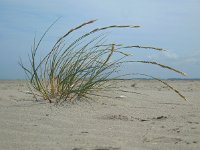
(70, 71)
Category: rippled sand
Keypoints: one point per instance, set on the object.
(143, 114)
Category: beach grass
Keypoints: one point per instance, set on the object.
(70, 71)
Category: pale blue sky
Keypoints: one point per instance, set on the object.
(171, 24)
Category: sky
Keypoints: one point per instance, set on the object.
(173, 25)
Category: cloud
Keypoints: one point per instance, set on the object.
(174, 57)
(194, 59)
(171, 55)
(167, 55)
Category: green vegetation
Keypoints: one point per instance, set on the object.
(73, 70)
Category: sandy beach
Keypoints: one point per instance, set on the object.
(142, 115)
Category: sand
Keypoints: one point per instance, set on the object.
(144, 115)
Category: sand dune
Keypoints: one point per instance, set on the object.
(144, 114)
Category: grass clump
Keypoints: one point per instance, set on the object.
(71, 70)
